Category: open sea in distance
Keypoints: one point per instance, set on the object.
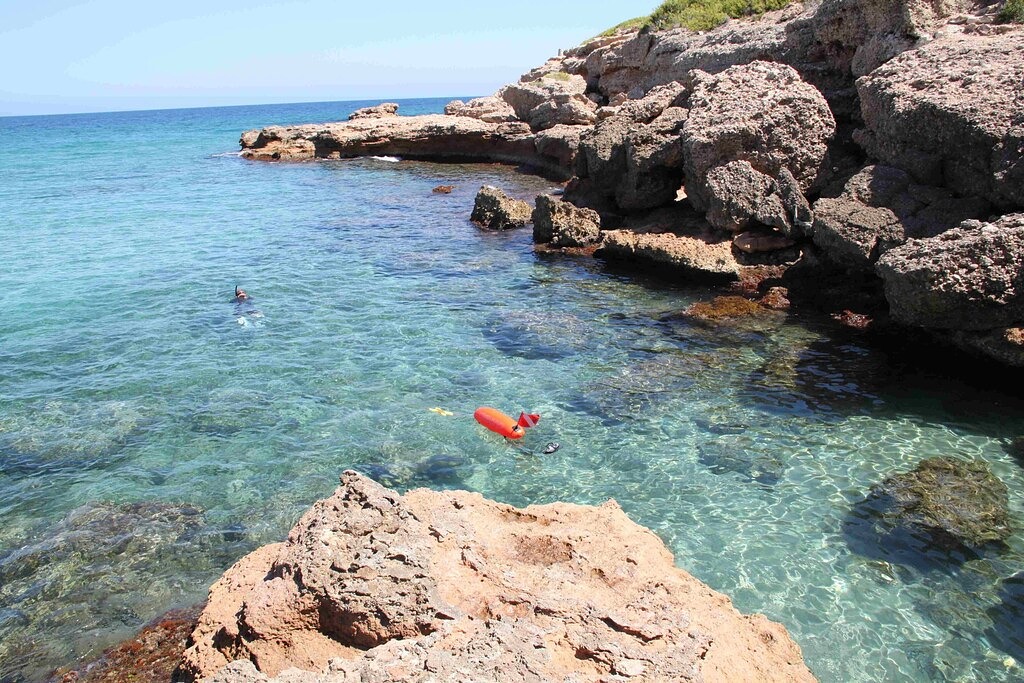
(152, 431)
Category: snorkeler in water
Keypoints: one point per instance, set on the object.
(240, 295)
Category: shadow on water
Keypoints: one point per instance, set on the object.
(1007, 630)
(744, 456)
(538, 335)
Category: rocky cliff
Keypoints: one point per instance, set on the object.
(449, 586)
(848, 128)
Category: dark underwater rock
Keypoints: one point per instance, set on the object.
(944, 509)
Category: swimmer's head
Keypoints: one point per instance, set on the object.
(240, 293)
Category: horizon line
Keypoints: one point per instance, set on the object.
(230, 106)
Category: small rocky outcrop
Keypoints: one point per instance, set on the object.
(563, 225)
(951, 113)
(373, 585)
(375, 112)
(702, 257)
(431, 137)
(552, 99)
(491, 109)
(955, 503)
(494, 210)
(969, 278)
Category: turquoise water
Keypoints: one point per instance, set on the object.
(152, 431)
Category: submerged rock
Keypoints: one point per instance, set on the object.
(724, 307)
(742, 455)
(371, 585)
(93, 570)
(495, 210)
(945, 503)
(149, 657)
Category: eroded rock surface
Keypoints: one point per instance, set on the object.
(563, 225)
(371, 585)
(881, 207)
(969, 278)
(951, 113)
(762, 113)
(495, 210)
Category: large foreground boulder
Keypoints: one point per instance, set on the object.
(447, 586)
(969, 278)
(951, 112)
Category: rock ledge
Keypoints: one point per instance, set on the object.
(445, 586)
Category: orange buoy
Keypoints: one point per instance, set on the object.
(500, 423)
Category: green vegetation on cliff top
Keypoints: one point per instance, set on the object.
(1013, 10)
(702, 15)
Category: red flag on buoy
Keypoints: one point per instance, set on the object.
(527, 420)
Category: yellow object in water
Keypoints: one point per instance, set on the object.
(442, 411)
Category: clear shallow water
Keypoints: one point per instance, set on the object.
(151, 431)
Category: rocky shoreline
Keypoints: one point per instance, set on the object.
(876, 148)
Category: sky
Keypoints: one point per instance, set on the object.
(62, 56)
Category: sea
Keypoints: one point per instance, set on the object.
(153, 431)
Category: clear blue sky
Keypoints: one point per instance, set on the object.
(62, 56)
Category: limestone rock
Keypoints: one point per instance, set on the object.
(863, 34)
(738, 196)
(433, 136)
(1005, 344)
(495, 210)
(445, 586)
(951, 112)
(704, 257)
(383, 109)
(551, 99)
(491, 109)
(653, 103)
(761, 113)
(563, 225)
(755, 242)
(969, 278)
(880, 207)
(630, 166)
(559, 144)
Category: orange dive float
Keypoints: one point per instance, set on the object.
(500, 423)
